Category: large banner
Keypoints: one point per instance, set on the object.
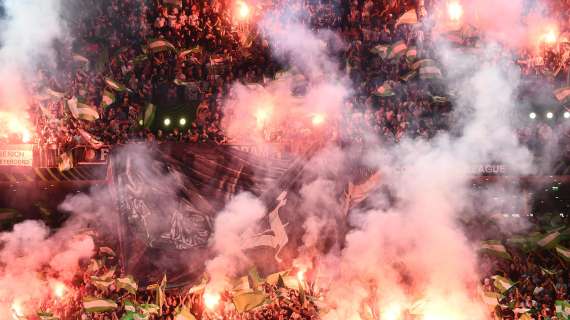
(19, 155)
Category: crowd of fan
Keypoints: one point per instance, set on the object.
(113, 35)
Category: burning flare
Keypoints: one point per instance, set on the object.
(454, 10)
(211, 300)
(318, 119)
(13, 124)
(551, 36)
(59, 290)
(243, 10)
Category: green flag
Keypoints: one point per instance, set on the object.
(184, 53)
(149, 308)
(409, 76)
(381, 50)
(46, 316)
(128, 283)
(422, 63)
(412, 54)
(92, 304)
(81, 110)
(502, 284)
(494, 248)
(562, 95)
(562, 309)
(430, 72)
(563, 252)
(397, 50)
(549, 240)
(248, 300)
(119, 87)
(107, 99)
(149, 115)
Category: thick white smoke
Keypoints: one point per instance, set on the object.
(27, 33)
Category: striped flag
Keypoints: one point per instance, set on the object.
(397, 50)
(119, 87)
(46, 316)
(385, 90)
(129, 306)
(381, 50)
(249, 300)
(184, 53)
(160, 45)
(107, 99)
(128, 283)
(82, 111)
(562, 95)
(502, 283)
(93, 143)
(549, 240)
(423, 63)
(563, 252)
(412, 53)
(430, 72)
(92, 305)
(409, 76)
(562, 309)
(410, 17)
(149, 115)
(494, 248)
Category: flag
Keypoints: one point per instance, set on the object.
(410, 17)
(128, 283)
(249, 300)
(422, 63)
(397, 49)
(107, 99)
(562, 95)
(563, 252)
(94, 266)
(381, 50)
(439, 99)
(149, 308)
(549, 240)
(199, 288)
(562, 309)
(79, 58)
(241, 284)
(81, 110)
(95, 144)
(184, 53)
(430, 72)
(46, 316)
(502, 283)
(385, 90)
(119, 87)
(409, 76)
(55, 94)
(160, 294)
(256, 279)
(149, 115)
(92, 304)
(161, 45)
(412, 54)
(101, 283)
(491, 299)
(129, 306)
(139, 59)
(547, 272)
(184, 314)
(273, 278)
(495, 248)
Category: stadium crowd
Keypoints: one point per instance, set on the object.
(214, 51)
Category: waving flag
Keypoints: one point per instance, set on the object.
(107, 99)
(397, 50)
(149, 115)
(563, 252)
(410, 17)
(495, 248)
(381, 50)
(562, 95)
(82, 111)
(149, 308)
(385, 90)
(430, 72)
(128, 283)
(161, 45)
(160, 294)
(90, 139)
(92, 305)
(47, 316)
(79, 58)
(549, 240)
(184, 314)
(119, 87)
(249, 300)
(502, 283)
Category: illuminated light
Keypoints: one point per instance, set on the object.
(454, 10)
(392, 312)
(167, 121)
(17, 310)
(243, 10)
(59, 290)
(566, 115)
(141, 122)
(211, 300)
(532, 115)
(301, 275)
(550, 36)
(182, 121)
(262, 115)
(318, 119)
(549, 115)
(26, 136)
